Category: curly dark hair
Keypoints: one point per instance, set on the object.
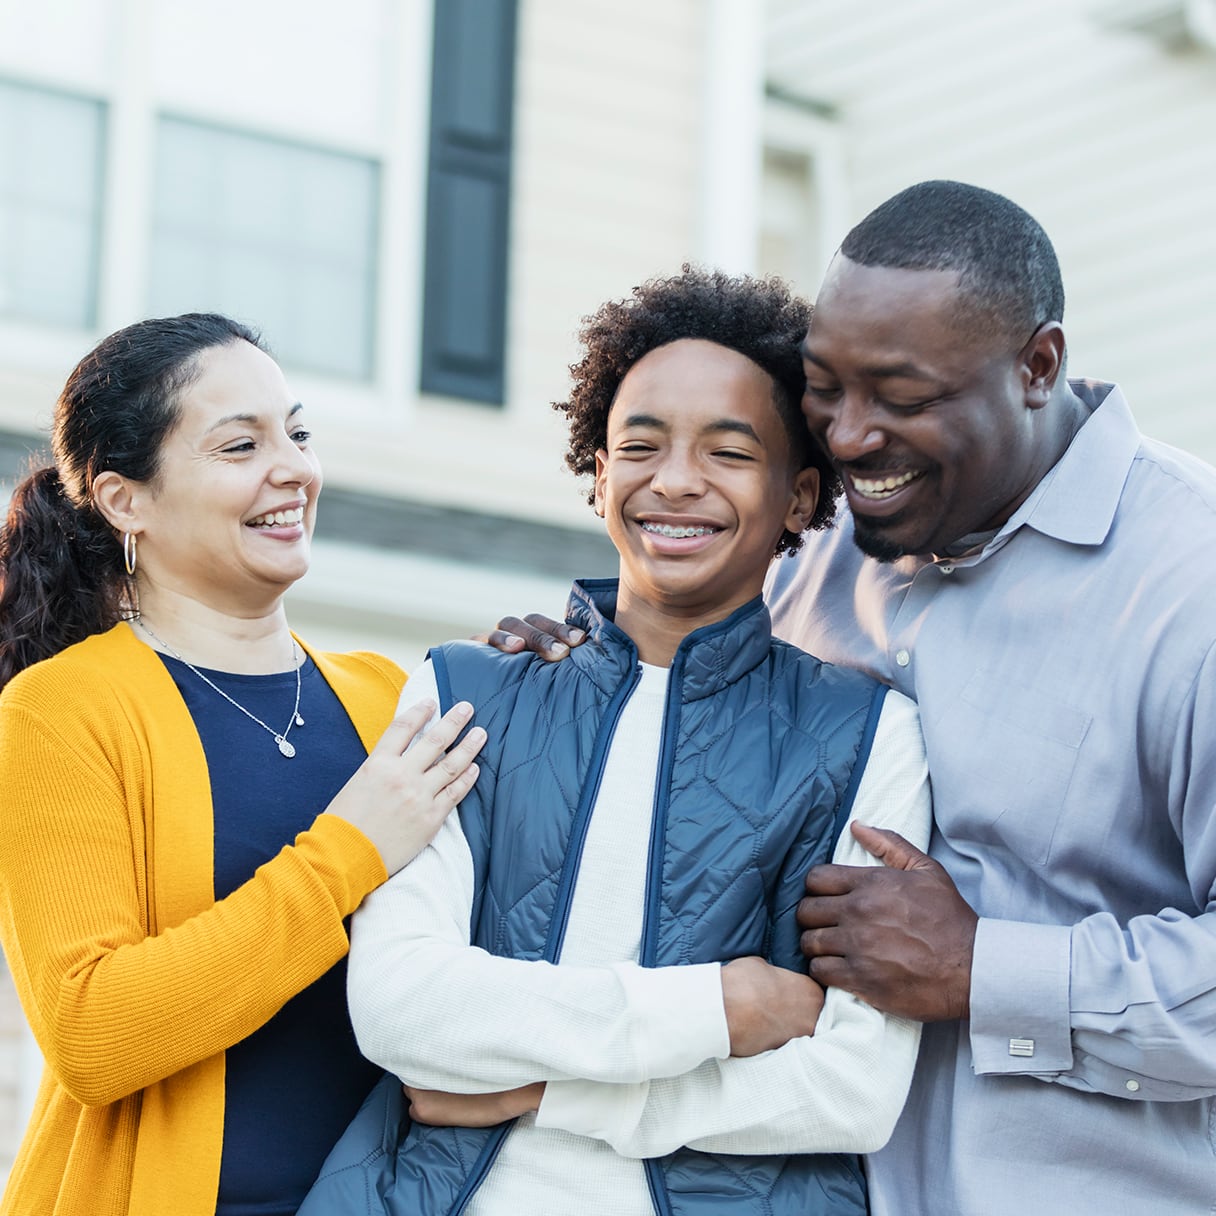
(758, 318)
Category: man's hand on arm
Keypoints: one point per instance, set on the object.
(550, 639)
(766, 1006)
(899, 936)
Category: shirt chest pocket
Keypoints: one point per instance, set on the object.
(1002, 758)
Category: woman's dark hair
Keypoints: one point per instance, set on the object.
(62, 575)
(758, 318)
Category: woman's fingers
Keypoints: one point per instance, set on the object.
(401, 794)
(436, 752)
(453, 793)
(400, 732)
(435, 760)
(409, 726)
(451, 764)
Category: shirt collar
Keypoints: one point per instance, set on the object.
(1076, 501)
(708, 659)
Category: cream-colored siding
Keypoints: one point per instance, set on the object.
(605, 173)
(607, 144)
(1101, 132)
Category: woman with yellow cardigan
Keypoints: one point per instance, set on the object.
(181, 835)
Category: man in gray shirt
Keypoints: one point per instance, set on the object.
(1038, 577)
(1017, 558)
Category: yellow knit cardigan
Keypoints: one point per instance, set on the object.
(133, 977)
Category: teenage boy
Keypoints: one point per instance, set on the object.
(591, 983)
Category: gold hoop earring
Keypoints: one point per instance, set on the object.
(128, 552)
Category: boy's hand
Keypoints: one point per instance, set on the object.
(549, 639)
(472, 1110)
(766, 1006)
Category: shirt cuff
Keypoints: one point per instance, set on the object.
(679, 1013)
(592, 1108)
(1020, 1014)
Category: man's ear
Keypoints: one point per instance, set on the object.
(804, 497)
(118, 500)
(601, 477)
(1042, 361)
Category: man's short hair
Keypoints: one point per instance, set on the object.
(1006, 264)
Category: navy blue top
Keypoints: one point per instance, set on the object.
(292, 1086)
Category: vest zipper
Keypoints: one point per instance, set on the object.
(561, 915)
(481, 1167)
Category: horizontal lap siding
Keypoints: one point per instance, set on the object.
(1105, 136)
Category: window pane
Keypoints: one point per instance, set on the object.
(50, 205)
(468, 201)
(273, 233)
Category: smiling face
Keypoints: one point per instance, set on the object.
(933, 422)
(228, 518)
(696, 484)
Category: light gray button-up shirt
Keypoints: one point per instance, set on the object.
(1066, 676)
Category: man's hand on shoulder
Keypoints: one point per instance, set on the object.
(899, 936)
(550, 639)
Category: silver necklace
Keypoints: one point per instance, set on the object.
(285, 746)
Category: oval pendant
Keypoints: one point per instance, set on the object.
(285, 746)
(299, 720)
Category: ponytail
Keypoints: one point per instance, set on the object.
(61, 574)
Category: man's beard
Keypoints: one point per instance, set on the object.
(872, 539)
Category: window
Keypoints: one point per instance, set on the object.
(51, 154)
(790, 220)
(277, 234)
(468, 197)
(804, 205)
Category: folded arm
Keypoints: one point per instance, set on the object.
(840, 1090)
(445, 1015)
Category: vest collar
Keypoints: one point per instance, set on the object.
(707, 661)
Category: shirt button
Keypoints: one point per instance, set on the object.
(1132, 1087)
(946, 568)
(903, 658)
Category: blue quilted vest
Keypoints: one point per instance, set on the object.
(762, 750)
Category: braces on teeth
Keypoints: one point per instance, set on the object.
(677, 533)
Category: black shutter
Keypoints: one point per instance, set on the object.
(468, 198)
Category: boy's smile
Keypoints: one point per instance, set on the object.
(696, 485)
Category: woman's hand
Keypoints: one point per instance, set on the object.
(400, 795)
(766, 1006)
(472, 1110)
(551, 640)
